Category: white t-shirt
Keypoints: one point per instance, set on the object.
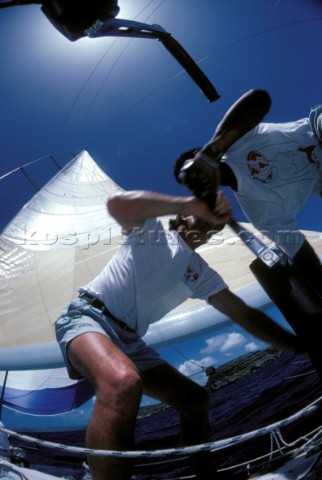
(278, 166)
(151, 273)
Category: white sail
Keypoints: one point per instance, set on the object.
(58, 240)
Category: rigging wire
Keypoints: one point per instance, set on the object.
(105, 79)
(110, 70)
(21, 167)
(258, 34)
(189, 360)
(86, 83)
(117, 60)
(216, 52)
(202, 369)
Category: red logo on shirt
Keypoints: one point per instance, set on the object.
(259, 167)
(190, 275)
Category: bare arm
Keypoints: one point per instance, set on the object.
(132, 208)
(244, 115)
(254, 321)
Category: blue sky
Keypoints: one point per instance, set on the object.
(129, 103)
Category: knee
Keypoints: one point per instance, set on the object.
(124, 387)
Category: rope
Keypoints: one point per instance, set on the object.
(213, 446)
(305, 439)
(275, 436)
(248, 463)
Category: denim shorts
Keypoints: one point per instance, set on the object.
(80, 317)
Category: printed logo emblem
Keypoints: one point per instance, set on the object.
(190, 275)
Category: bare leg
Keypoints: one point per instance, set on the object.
(170, 386)
(117, 386)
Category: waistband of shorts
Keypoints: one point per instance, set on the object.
(96, 303)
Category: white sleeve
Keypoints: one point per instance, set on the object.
(316, 122)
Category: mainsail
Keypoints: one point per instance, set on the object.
(58, 241)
